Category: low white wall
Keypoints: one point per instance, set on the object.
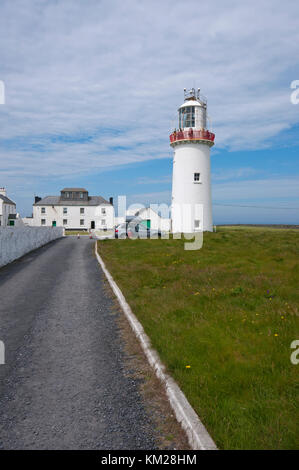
(17, 241)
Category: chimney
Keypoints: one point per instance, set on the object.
(3, 191)
(37, 199)
(111, 200)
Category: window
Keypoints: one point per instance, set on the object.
(196, 223)
(67, 194)
(81, 195)
(64, 221)
(197, 177)
(81, 210)
(65, 210)
(43, 210)
(187, 117)
(103, 221)
(103, 210)
(43, 222)
(81, 221)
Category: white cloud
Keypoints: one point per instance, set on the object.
(96, 84)
(231, 174)
(270, 193)
(162, 180)
(258, 189)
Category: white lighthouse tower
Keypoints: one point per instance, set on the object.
(191, 206)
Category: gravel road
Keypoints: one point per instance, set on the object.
(65, 384)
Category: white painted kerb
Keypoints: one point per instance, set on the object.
(198, 436)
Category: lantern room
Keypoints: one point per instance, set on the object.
(192, 120)
(193, 112)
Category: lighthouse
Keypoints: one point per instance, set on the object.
(191, 205)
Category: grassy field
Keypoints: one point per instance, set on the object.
(222, 319)
(76, 232)
(102, 233)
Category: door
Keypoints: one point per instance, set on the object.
(54, 223)
(146, 223)
(92, 225)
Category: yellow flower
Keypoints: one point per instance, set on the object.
(282, 317)
(188, 367)
(275, 334)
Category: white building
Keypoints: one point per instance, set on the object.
(8, 211)
(74, 209)
(191, 205)
(151, 218)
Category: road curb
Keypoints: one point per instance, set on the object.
(198, 436)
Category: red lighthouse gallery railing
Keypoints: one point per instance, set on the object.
(192, 135)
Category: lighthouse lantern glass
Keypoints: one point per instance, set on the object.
(187, 117)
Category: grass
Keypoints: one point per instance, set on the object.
(103, 233)
(75, 232)
(230, 312)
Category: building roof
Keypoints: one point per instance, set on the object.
(82, 190)
(58, 201)
(6, 200)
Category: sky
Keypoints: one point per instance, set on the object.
(92, 89)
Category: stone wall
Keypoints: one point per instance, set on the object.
(17, 241)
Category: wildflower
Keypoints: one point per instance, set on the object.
(188, 367)
(275, 334)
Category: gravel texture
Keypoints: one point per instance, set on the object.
(66, 383)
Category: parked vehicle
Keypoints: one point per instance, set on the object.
(121, 231)
(135, 227)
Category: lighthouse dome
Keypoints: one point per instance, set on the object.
(191, 103)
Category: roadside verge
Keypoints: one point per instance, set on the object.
(198, 436)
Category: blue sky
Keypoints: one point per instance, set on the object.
(93, 87)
